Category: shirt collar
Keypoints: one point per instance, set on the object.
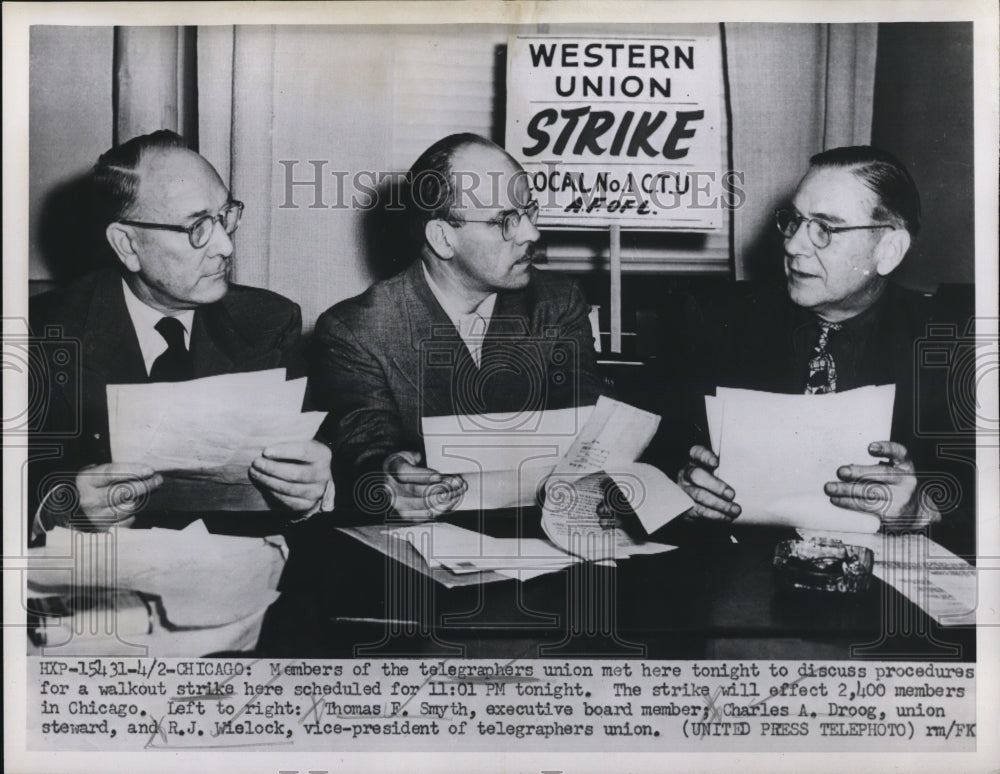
(452, 307)
(856, 327)
(144, 320)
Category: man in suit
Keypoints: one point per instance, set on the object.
(838, 323)
(469, 327)
(167, 312)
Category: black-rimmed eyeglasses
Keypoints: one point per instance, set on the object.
(200, 232)
(508, 220)
(820, 233)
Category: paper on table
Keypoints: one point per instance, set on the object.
(942, 584)
(777, 451)
(375, 536)
(202, 579)
(462, 550)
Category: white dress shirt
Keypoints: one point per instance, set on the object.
(471, 326)
(144, 320)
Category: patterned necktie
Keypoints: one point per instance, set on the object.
(822, 368)
(175, 364)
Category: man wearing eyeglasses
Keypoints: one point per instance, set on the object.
(838, 323)
(167, 312)
(470, 327)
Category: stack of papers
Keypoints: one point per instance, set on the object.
(212, 590)
(506, 458)
(462, 551)
(777, 451)
(203, 434)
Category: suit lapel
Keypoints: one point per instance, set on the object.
(437, 354)
(110, 347)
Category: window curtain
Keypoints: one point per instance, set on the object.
(154, 81)
(276, 109)
(796, 90)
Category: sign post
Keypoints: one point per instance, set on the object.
(619, 132)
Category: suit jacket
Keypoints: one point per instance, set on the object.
(746, 339)
(391, 356)
(247, 330)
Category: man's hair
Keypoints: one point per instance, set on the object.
(116, 176)
(429, 187)
(898, 201)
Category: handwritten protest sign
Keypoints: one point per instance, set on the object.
(620, 130)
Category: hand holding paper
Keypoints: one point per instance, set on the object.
(418, 493)
(713, 497)
(888, 489)
(777, 455)
(220, 441)
(296, 474)
(109, 494)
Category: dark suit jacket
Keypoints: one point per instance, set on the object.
(248, 330)
(391, 356)
(744, 338)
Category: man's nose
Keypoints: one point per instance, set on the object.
(220, 243)
(527, 231)
(799, 242)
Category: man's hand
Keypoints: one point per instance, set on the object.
(296, 474)
(888, 489)
(109, 494)
(420, 494)
(713, 497)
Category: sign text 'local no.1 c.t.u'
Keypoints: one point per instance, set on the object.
(620, 131)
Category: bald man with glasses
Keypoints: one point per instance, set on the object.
(470, 327)
(838, 323)
(166, 312)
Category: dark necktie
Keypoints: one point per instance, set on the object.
(174, 365)
(822, 368)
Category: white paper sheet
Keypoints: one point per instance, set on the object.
(204, 580)
(375, 536)
(942, 584)
(615, 433)
(655, 499)
(777, 451)
(463, 551)
(571, 522)
(502, 441)
(204, 433)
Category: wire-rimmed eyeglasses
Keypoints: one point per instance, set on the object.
(820, 233)
(509, 220)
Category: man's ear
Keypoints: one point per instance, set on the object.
(121, 241)
(891, 250)
(440, 237)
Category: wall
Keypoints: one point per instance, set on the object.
(923, 114)
(70, 115)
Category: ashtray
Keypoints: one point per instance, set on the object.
(823, 564)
